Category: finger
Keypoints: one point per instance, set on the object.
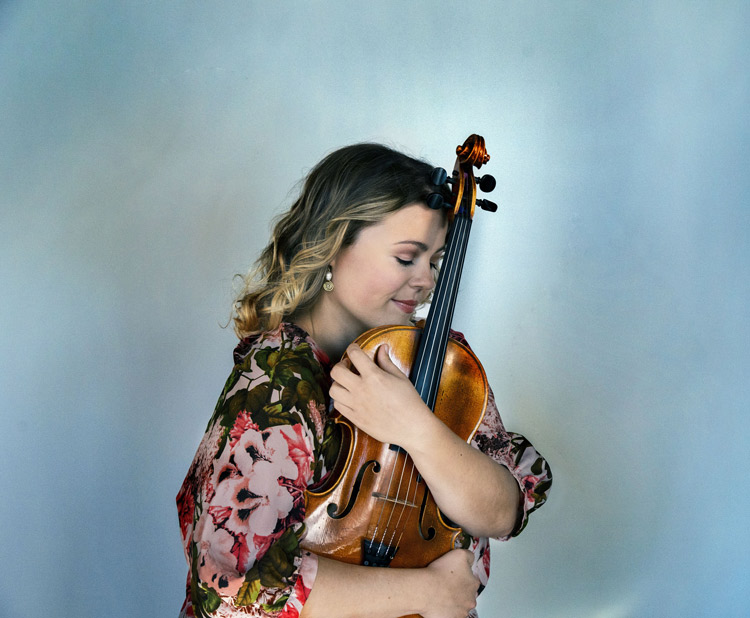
(359, 359)
(344, 376)
(345, 362)
(385, 362)
(346, 373)
(340, 395)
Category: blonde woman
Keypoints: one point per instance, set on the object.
(358, 249)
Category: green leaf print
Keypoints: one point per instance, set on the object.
(289, 394)
(205, 599)
(257, 396)
(261, 359)
(277, 566)
(538, 466)
(276, 415)
(250, 588)
(273, 358)
(305, 391)
(277, 606)
(283, 372)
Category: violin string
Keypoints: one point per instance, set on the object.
(385, 501)
(442, 315)
(432, 352)
(413, 501)
(432, 347)
(404, 503)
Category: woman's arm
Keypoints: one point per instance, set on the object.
(444, 589)
(472, 489)
(242, 503)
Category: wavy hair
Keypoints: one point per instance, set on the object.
(352, 188)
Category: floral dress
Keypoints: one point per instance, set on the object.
(242, 504)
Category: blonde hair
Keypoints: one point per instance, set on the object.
(348, 190)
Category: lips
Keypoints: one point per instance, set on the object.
(407, 306)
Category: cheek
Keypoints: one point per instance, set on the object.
(371, 283)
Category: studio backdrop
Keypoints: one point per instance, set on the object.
(145, 148)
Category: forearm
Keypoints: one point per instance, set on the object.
(472, 489)
(469, 487)
(344, 590)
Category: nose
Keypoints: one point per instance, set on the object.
(424, 276)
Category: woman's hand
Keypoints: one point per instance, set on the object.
(377, 397)
(453, 593)
(474, 491)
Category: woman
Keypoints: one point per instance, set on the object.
(358, 249)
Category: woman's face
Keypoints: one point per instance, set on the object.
(389, 270)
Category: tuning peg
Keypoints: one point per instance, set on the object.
(435, 201)
(487, 183)
(487, 205)
(439, 176)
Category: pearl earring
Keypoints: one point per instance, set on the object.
(328, 285)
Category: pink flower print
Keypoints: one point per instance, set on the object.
(222, 471)
(257, 501)
(262, 543)
(302, 587)
(315, 414)
(243, 422)
(267, 447)
(300, 452)
(217, 565)
(529, 483)
(240, 550)
(185, 507)
(219, 514)
(204, 457)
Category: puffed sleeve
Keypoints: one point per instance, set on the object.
(515, 452)
(242, 504)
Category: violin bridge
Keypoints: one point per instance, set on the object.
(377, 553)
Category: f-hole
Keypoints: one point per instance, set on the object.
(431, 532)
(333, 508)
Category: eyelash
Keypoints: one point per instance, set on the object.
(411, 262)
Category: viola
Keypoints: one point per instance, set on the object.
(374, 509)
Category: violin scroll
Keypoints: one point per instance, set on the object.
(472, 151)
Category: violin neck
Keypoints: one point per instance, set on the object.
(428, 364)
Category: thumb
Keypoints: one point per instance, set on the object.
(385, 362)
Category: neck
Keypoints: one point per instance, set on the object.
(332, 341)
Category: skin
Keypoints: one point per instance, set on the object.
(379, 280)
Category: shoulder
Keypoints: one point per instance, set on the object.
(278, 375)
(288, 341)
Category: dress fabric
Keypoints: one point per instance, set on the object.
(242, 504)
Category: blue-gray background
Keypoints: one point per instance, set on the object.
(144, 148)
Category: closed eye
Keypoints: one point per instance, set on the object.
(404, 262)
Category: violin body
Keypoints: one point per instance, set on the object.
(374, 509)
(380, 513)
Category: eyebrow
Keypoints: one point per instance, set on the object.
(420, 245)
